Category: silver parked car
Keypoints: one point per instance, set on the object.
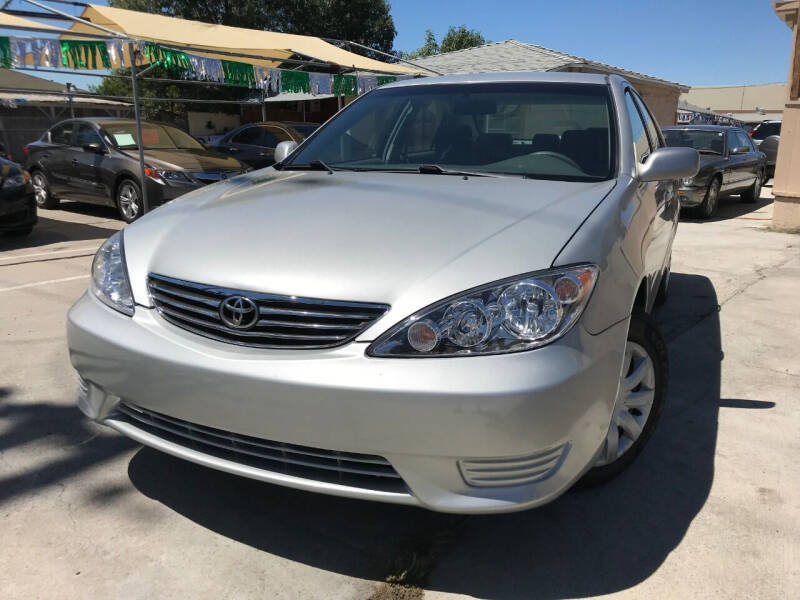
(440, 299)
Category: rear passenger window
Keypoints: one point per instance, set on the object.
(641, 146)
(62, 134)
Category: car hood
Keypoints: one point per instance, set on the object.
(191, 160)
(406, 240)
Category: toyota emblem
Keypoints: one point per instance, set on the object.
(238, 312)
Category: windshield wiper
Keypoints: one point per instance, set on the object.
(437, 170)
(314, 165)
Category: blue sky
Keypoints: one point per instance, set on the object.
(706, 42)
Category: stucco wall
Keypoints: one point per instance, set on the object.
(661, 100)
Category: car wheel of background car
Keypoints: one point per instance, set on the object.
(44, 199)
(753, 193)
(709, 206)
(640, 399)
(663, 286)
(129, 200)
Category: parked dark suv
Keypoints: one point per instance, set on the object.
(729, 164)
(96, 161)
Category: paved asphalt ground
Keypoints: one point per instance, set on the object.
(710, 510)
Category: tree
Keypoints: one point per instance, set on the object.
(367, 22)
(456, 38)
(459, 38)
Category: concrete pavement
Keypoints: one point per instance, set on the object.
(710, 509)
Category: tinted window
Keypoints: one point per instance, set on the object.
(641, 146)
(541, 130)
(62, 134)
(703, 140)
(650, 123)
(764, 130)
(272, 135)
(733, 141)
(251, 135)
(87, 135)
(155, 136)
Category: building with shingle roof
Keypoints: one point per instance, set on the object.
(512, 55)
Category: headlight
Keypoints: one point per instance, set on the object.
(110, 276)
(16, 181)
(161, 176)
(687, 180)
(508, 316)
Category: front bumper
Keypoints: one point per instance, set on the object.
(438, 422)
(691, 195)
(17, 212)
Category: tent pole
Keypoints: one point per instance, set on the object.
(263, 104)
(139, 141)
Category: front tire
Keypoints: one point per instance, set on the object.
(709, 206)
(41, 187)
(640, 399)
(129, 200)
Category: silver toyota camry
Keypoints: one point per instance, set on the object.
(441, 298)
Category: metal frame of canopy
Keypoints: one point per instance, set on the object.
(135, 76)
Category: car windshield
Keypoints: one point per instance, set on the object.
(538, 130)
(155, 137)
(703, 140)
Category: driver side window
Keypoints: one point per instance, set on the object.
(641, 145)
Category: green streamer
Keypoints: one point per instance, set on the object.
(172, 60)
(6, 60)
(345, 85)
(386, 79)
(238, 73)
(83, 54)
(295, 82)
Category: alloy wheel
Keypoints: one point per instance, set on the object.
(633, 404)
(39, 189)
(129, 204)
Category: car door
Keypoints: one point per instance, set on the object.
(734, 175)
(87, 178)
(750, 165)
(244, 145)
(658, 197)
(55, 158)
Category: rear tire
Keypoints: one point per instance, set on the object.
(129, 200)
(640, 400)
(41, 188)
(753, 193)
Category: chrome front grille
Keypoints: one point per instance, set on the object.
(345, 468)
(281, 322)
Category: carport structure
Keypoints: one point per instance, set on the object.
(107, 37)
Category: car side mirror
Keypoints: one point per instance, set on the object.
(284, 149)
(740, 150)
(670, 163)
(95, 147)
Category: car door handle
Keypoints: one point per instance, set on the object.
(233, 149)
(74, 162)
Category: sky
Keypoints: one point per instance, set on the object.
(699, 42)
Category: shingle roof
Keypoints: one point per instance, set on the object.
(512, 55)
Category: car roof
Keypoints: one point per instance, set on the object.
(114, 120)
(505, 77)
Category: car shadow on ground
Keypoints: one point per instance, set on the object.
(588, 542)
(52, 231)
(731, 207)
(62, 426)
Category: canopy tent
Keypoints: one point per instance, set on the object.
(209, 40)
(8, 21)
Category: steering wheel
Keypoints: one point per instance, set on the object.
(561, 157)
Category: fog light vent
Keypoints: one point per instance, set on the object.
(516, 470)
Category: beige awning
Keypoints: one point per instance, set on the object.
(13, 22)
(207, 38)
